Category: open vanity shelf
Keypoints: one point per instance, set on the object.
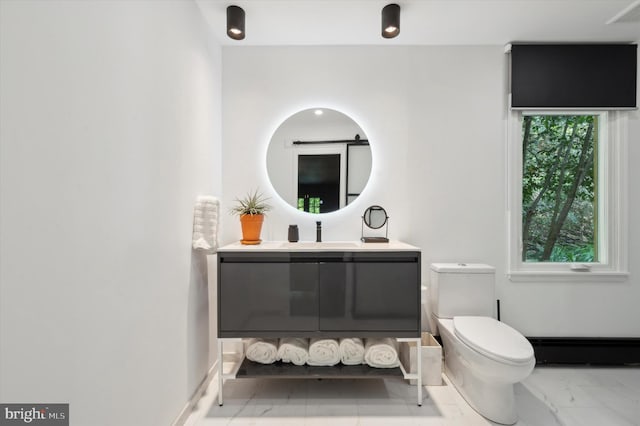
(317, 290)
(280, 369)
(236, 366)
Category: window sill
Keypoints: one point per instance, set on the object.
(567, 276)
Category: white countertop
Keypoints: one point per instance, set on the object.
(311, 246)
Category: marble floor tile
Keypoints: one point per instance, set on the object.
(532, 411)
(551, 396)
(616, 399)
(592, 416)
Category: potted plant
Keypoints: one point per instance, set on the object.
(251, 210)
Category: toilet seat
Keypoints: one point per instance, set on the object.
(493, 339)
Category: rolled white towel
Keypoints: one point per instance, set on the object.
(381, 352)
(324, 352)
(294, 350)
(264, 351)
(352, 351)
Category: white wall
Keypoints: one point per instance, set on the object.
(291, 79)
(110, 117)
(435, 117)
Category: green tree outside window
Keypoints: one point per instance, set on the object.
(559, 191)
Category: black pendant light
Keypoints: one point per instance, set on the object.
(235, 22)
(390, 20)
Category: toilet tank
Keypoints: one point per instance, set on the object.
(462, 289)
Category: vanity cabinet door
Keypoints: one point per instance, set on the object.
(386, 296)
(374, 295)
(267, 297)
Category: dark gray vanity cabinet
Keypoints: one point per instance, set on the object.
(267, 294)
(371, 294)
(318, 294)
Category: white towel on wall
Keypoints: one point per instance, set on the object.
(264, 351)
(294, 350)
(352, 351)
(205, 224)
(381, 352)
(324, 352)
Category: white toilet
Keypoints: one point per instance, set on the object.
(483, 357)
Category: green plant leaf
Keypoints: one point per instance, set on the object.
(253, 203)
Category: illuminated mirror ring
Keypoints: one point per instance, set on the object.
(319, 160)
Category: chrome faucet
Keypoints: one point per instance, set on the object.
(318, 232)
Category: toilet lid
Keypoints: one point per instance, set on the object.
(493, 338)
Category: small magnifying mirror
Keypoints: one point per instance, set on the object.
(375, 217)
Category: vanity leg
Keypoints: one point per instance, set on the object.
(220, 371)
(419, 355)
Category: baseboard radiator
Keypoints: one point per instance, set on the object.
(586, 350)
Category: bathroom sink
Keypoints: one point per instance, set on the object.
(328, 245)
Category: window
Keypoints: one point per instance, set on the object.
(567, 211)
(559, 195)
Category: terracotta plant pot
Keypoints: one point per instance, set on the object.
(251, 228)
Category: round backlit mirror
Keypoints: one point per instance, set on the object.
(319, 160)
